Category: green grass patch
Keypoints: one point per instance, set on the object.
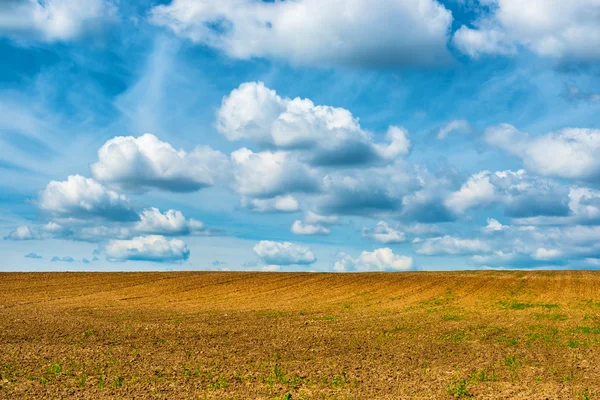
(515, 305)
(459, 389)
(595, 330)
(550, 316)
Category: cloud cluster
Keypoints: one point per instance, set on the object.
(572, 153)
(149, 221)
(382, 259)
(147, 248)
(54, 20)
(311, 32)
(271, 174)
(558, 29)
(521, 194)
(383, 233)
(145, 162)
(81, 198)
(283, 253)
(282, 204)
(169, 223)
(314, 224)
(320, 135)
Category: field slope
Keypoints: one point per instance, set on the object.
(236, 335)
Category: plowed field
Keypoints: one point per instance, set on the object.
(236, 335)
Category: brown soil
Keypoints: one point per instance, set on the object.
(234, 335)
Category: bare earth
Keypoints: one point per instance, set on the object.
(234, 335)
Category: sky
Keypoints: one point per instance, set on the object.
(299, 135)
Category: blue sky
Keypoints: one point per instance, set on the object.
(299, 135)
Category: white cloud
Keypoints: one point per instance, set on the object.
(521, 195)
(80, 197)
(147, 248)
(320, 135)
(171, 222)
(584, 208)
(38, 232)
(571, 153)
(301, 228)
(382, 233)
(149, 221)
(458, 125)
(477, 42)
(312, 217)
(283, 253)
(476, 191)
(314, 224)
(546, 254)
(145, 162)
(382, 259)
(366, 191)
(493, 225)
(53, 20)
(21, 233)
(270, 174)
(451, 246)
(284, 204)
(551, 28)
(405, 32)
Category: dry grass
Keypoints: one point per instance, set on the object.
(529, 335)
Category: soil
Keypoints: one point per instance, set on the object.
(238, 335)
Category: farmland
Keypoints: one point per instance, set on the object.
(244, 335)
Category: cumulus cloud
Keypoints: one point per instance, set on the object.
(478, 190)
(493, 225)
(79, 197)
(382, 233)
(145, 162)
(283, 204)
(170, 223)
(568, 30)
(147, 248)
(270, 174)
(368, 191)
(38, 232)
(283, 253)
(382, 259)
(314, 224)
(475, 43)
(53, 20)
(312, 32)
(571, 153)
(458, 125)
(150, 221)
(33, 255)
(320, 135)
(301, 228)
(449, 245)
(312, 217)
(21, 233)
(521, 195)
